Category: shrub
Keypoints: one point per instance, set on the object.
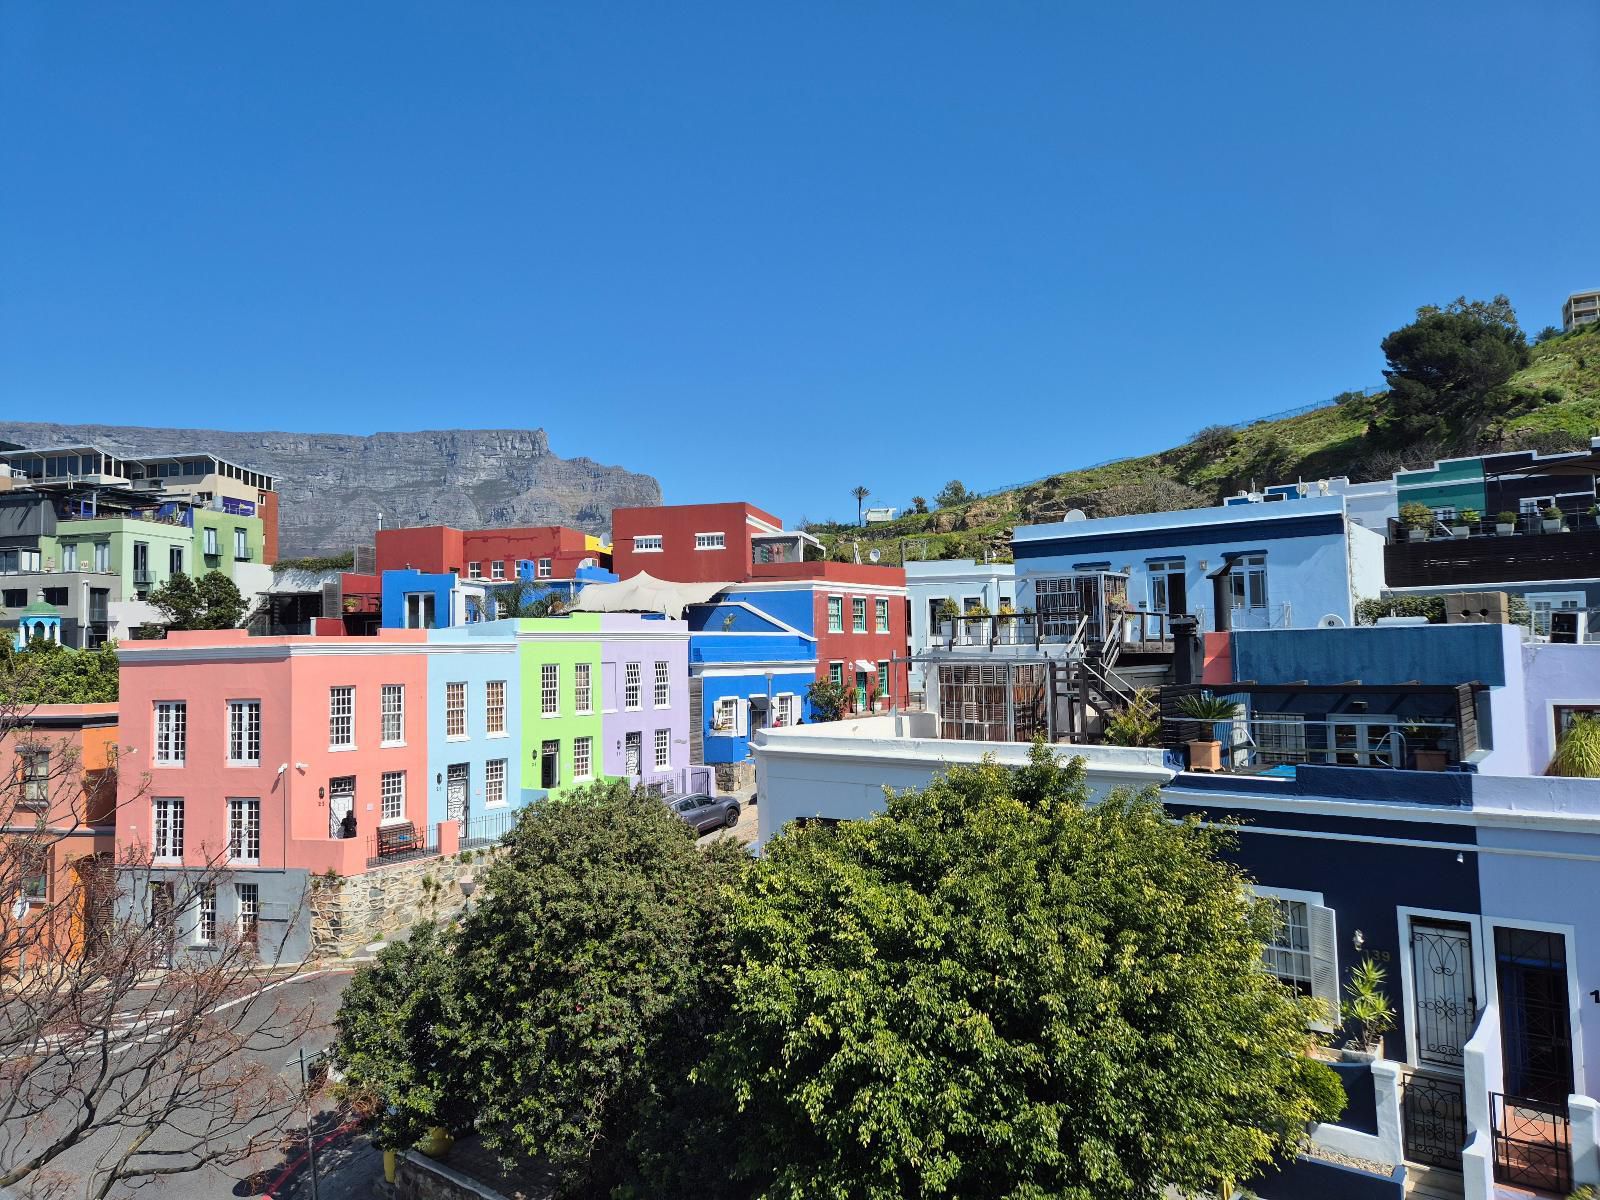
(1368, 611)
(1577, 754)
(1416, 516)
(1138, 723)
(1506, 518)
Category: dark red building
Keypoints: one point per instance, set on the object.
(490, 554)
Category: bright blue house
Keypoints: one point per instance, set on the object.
(475, 728)
(752, 660)
(431, 600)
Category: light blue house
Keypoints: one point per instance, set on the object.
(432, 600)
(475, 729)
(1294, 563)
(751, 664)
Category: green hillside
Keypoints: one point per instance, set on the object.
(1551, 404)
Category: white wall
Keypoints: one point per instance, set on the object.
(994, 583)
(1366, 563)
(839, 769)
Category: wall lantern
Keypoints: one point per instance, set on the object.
(1359, 939)
(322, 793)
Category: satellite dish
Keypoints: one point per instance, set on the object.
(1075, 514)
(874, 554)
(1254, 497)
(1331, 621)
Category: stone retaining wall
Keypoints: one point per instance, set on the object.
(418, 1177)
(348, 914)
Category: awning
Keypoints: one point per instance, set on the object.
(644, 593)
(863, 665)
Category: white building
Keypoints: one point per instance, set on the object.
(1581, 308)
(965, 583)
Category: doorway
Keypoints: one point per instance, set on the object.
(1444, 1000)
(549, 763)
(1535, 1017)
(457, 781)
(632, 753)
(163, 923)
(341, 800)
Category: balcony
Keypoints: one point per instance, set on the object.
(1526, 552)
(143, 577)
(1138, 632)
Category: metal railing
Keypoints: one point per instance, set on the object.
(489, 828)
(1572, 519)
(1261, 742)
(401, 843)
(1532, 1142)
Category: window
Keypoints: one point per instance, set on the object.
(244, 830)
(582, 691)
(497, 568)
(836, 674)
(394, 714)
(244, 733)
(13, 597)
(167, 828)
(420, 610)
(474, 570)
(59, 596)
(141, 562)
(455, 710)
(341, 718)
(34, 872)
(241, 545)
(35, 778)
(172, 732)
(582, 757)
(1542, 604)
(494, 707)
(102, 556)
(1280, 737)
(835, 614)
(883, 679)
(783, 708)
(1303, 952)
(392, 793)
(663, 749)
(1167, 586)
(494, 782)
(174, 560)
(545, 569)
(631, 699)
(1247, 581)
(69, 556)
(1566, 715)
(550, 689)
(211, 542)
(205, 925)
(647, 543)
(663, 692)
(249, 912)
(858, 614)
(727, 713)
(710, 541)
(882, 608)
(1288, 954)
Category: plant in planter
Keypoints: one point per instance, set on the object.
(1418, 520)
(1205, 752)
(1577, 754)
(1138, 723)
(1367, 1013)
(1465, 520)
(1505, 522)
(1426, 753)
(948, 612)
(1594, 513)
(1551, 519)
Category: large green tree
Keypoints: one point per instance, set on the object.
(1446, 365)
(45, 673)
(211, 602)
(996, 989)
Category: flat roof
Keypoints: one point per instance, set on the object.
(1183, 518)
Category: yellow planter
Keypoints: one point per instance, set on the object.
(437, 1143)
(391, 1160)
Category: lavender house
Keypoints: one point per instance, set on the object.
(644, 671)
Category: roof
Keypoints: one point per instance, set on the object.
(645, 593)
(1186, 518)
(40, 609)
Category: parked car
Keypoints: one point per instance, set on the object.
(705, 812)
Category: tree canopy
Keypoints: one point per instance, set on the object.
(994, 989)
(45, 673)
(211, 602)
(953, 493)
(1444, 365)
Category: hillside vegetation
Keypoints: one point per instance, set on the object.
(1550, 403)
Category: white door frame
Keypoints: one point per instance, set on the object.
(1408, 984)
(1569, 935)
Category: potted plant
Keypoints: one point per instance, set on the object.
(1594, 513)
(1426, 754)
(1417, 519)
(1006, 628)
(974, 620)
(1505, 522)
(1367, 1014)
(948, 612)
(1577, 754)
(1551, 519)
(1205, 752)
(1465, 520)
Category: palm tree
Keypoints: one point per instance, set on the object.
(527, 599)
(860, 492)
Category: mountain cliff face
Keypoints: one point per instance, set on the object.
(332, 487)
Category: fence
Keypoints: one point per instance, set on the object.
(488, 829)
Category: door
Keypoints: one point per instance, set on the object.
(632, 752)
(1535, 1020)
(861, 691)
(341, 800)
(1362, 744)
(457, 778)
(1445, 1001)
(163, 924)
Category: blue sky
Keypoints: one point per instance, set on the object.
(772, 251)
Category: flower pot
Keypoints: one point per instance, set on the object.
(1205, 756)
(1504, 529)
(391, 1161)
(1550, 526)
(437, 1142)
(1417, 535)
(1429, 760)
(1459, 531)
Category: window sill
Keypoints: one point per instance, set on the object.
(169, 860)
(169, 766)
(340, 749)
(583, 779)
(391, 745)
(496, 804)
(388, 821)
(248, 766)
(494, 737)
(244, 862)
(459, 737)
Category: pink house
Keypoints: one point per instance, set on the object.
(260, 754)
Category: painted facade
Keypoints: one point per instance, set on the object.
(750, 668)
(559, 670)
(965, 583)
(424, 600)
(695, 543)
(1292, 564)
(475, 727)
(552, 551)
(645, 737)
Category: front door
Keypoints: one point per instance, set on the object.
(861, 691)
(550, 764)
(632, 752)
(456, 780)
(1362, 744)
(163, 924)
(1446, 1004)
(341, 800)
(1535, 1020)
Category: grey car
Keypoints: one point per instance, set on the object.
(706, 812)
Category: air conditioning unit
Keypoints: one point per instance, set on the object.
(1569, 626)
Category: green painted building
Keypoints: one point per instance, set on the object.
(560, 671)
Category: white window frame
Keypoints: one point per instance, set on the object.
(583, 758)
(494, 708)
(880, 614)
(725, 716)
(205, 917)
(494, 783)
(475, 570)
(166, 828)
(1240, 573)
(647, 543)
(710, 541)
(393, 712)
(583, 689)
(661, 693)
(858, 614)
(172, 733)
(1551, 602)
(836, 672)
(497, 568)
(632, 687)
(69, 556)
(1322, 950)
(783, 709)
(342, 713)
(455, 711)
(544, 569)
(249, 895)
(211, 544)
(244, 829)
(549, 689)
(663, 749)
(244, 733)
(241, 544)
(392, 798)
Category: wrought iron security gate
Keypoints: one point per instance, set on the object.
(1434, 1112)
(1446, 1003)
(1532, 1142)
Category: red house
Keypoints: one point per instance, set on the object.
(491, 554)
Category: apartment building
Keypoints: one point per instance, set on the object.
(1580, 308)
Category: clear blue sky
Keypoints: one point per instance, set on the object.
(772, 251)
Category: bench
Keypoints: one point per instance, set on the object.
(396, 839)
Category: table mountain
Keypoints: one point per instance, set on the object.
(332, 487)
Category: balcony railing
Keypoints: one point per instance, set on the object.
(1137, 630)
(1494, 558)
(489, 828)
(399, 844)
